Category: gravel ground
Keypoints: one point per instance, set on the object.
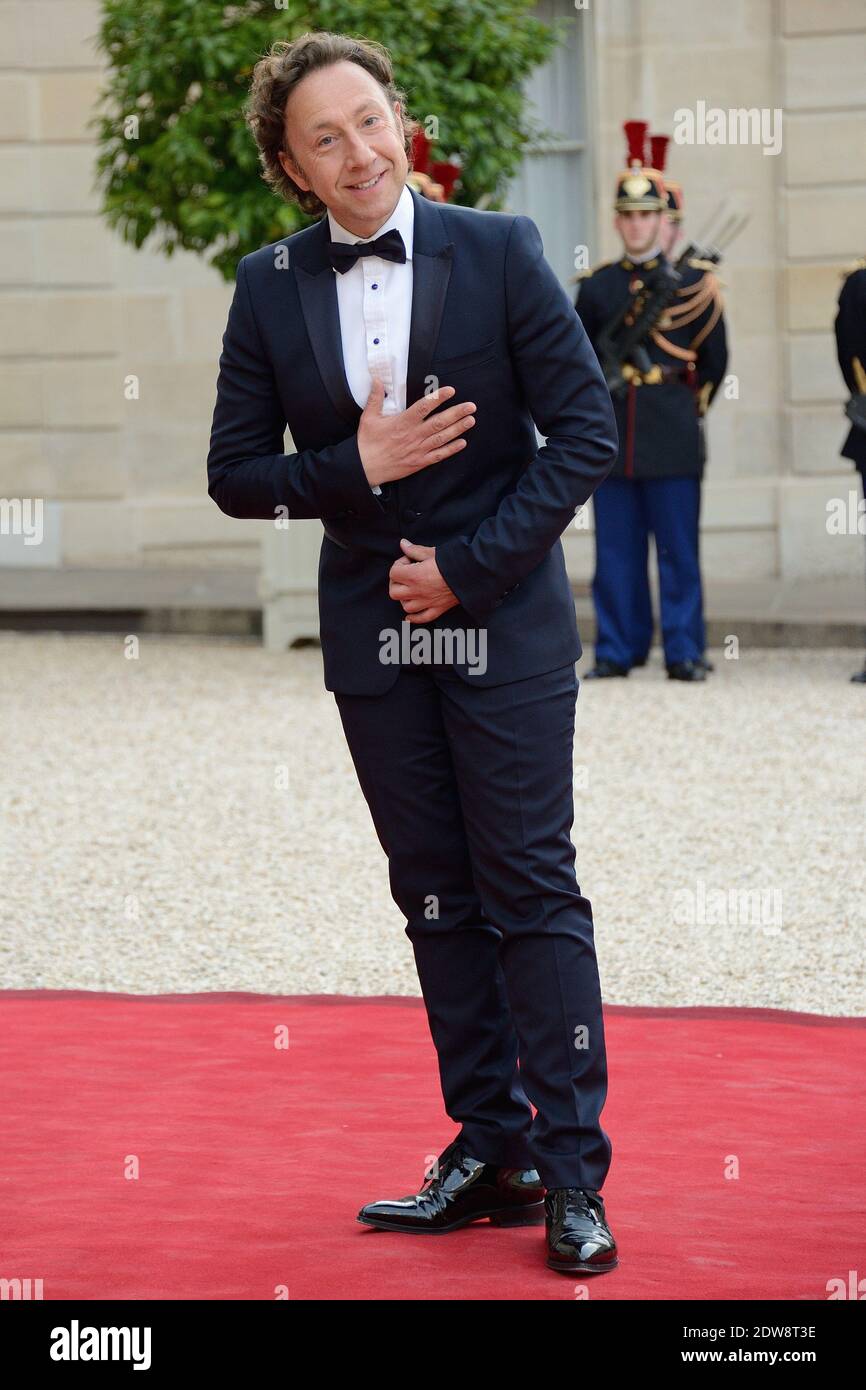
(190, 820)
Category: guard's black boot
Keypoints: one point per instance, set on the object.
(860, 677)
(603, 669)
(465, 1189)
(578, 1236)
(686, 671)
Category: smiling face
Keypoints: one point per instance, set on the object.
(343, 134)
(639, 229)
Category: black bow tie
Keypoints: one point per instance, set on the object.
(344, 254)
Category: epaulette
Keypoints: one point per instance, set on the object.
(710, 281)
(698, 264)
(691, 303)
(849, 270)
(585, 274)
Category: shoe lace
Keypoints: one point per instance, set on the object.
(433, 1192)
(443, 1165)
(579, 1202)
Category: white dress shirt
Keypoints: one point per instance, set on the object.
(374, 299)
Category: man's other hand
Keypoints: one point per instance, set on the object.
(415, 580)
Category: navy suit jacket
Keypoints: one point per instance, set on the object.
(490, 318)
(850, 327)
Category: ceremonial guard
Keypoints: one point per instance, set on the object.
(851, 350)
(659, 333)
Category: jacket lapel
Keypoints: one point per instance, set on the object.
(318, 294)
(317, 289)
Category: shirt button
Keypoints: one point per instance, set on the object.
(375, 340)
(375, 287)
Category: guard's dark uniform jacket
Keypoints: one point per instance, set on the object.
(658, 421)
(851, 349)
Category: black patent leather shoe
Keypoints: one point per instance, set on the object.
(859, 678)
(686, 671)
(578, 1236)
(464, 1189)
(602, 670)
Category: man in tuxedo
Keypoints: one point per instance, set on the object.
(441, 516)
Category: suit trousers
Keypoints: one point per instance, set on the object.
(627, 510)
(471, 794)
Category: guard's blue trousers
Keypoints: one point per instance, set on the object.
(627, 510)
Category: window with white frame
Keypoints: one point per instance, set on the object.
(554, 183)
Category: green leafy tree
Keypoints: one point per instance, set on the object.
(177, 161)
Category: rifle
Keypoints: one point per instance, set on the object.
(623, 337)
(855, 409)
(705, 249)
(701, 253)
(620, 342)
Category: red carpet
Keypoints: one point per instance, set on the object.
(254, 1160)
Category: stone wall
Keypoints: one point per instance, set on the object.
(123, 480)
(823, 211)
(774, 451)
(80, 312)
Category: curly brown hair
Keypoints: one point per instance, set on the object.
(274, 79)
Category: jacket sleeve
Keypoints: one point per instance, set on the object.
(249, 475)
(587, 308)
(711, 345)
(570, 404)
(850, 328)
